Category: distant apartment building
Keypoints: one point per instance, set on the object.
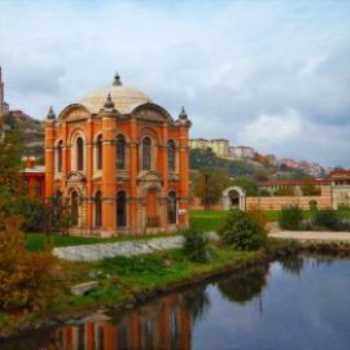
(242, 152)
(219, 146)
(4, 107)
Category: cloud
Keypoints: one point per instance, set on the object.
(272, 130)
(236, 66)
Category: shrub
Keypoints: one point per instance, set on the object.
(284, 192)
(259, 215)
(327, 218)
(290, 218)
(33, 212)
(310, 190)
(243, 230)
(196, 245)
(26, 279)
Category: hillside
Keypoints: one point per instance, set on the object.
(31, 129)
(206, 159)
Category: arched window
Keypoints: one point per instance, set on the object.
(99, 154)
(59, 156)
(75, 208)
(121, 152)
(121, 209)
(146, 153)
(171, 156)
(80, 154)
(98, 209)
(172, 208)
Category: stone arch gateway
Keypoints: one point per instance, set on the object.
(234, 197)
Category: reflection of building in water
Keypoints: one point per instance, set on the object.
(165, 324)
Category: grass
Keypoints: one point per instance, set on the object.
(210, 220)
(123, 278)
(38, 241)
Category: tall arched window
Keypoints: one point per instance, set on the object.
(98, 209)
(171, 156)
(80, 154)
(146, 153)
(59, 156)
(121, 152)
(121, 209)
(172, 208)
(99, 154)
(75, 208)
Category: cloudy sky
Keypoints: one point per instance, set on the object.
(274, 74)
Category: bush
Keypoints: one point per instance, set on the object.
(284, 192)
(327, 218)
(26, 279)
(291, 218)
(243, 230)
(33, 212)
(196, 245)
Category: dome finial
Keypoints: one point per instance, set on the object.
(109, 104)
(117, 81)
(51, 114)
(183, 114)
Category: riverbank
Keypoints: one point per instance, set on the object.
(124, 282)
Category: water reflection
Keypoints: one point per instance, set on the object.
(223, 315)
(165, 324)
(243, 287)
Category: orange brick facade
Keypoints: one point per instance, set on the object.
(121, 161)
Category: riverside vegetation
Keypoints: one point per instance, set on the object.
(121, 280)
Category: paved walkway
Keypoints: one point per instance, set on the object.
(312, 235)
(100, 251)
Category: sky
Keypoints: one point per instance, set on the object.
(274, 75)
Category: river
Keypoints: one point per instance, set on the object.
(300, 303)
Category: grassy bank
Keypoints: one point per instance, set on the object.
(124, 281)
(210, 220)
(127, 280)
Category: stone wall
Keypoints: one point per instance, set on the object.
(325, 200)
(277, 203)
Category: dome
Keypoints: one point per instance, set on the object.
(125, 98)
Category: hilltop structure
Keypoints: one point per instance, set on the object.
(4, 107)
(121, 161)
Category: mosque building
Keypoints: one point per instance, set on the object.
(121, 161)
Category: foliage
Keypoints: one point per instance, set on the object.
(310, 190)
(209, 185)
(259, 215)
(284, 192)
(242, 287)
(204, 159)
(249, 185)
(327, 218)
(34, 213)
(196, 245)
(11, 151)
(243, 230)
(291, 218)
(264, 193)
(26, 279)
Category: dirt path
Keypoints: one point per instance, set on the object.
(312, 235)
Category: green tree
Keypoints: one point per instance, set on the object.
(249, 185)
(209, 185)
